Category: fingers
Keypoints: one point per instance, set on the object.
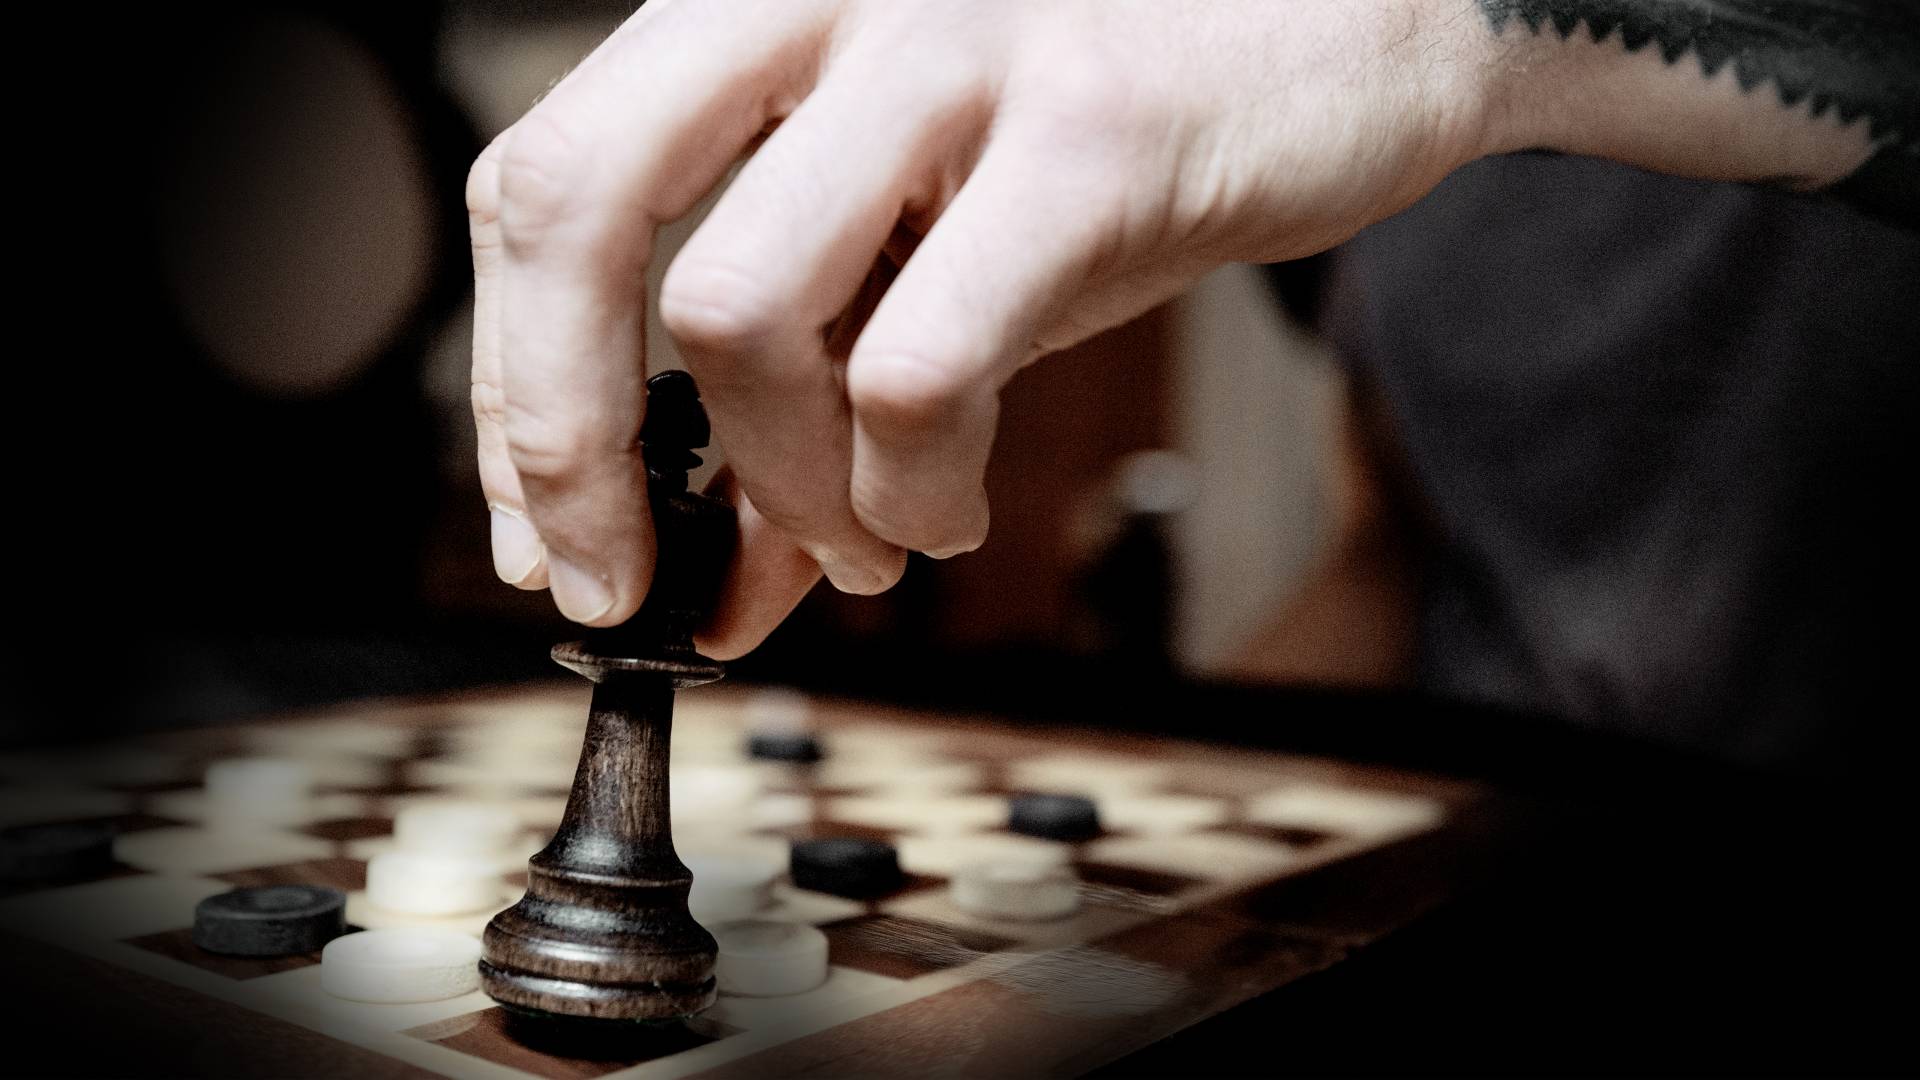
(631, 139)
(962, 317)
(767, 579)
(782, 255)
(518, 555)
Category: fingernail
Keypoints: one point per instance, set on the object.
(516, 547)
(580, 596)
(847, 577)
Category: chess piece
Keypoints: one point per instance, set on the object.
(603, 932)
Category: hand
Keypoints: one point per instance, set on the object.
(937, 194)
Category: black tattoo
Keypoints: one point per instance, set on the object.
(1860, 58)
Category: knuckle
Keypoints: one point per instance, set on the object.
(483, 186)
(544, 448)
(913, 524)
(489, 405)
(1081, 86)
(807, 513)
(538, 174)
(797, 516)
(896, 525)
(902, 391)
(717, 309)
(1084, 101)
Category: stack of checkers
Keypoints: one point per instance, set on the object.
(444, 862)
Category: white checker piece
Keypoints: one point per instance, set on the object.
(801, 1012)
(452, 827)
(313, 769)
(698, 740)
(780, 810)
(338, 738)
(875, 743)
(506, 861)
(402, 966)
(941, 855)
(729, 885)
(487, 779)
(1203, 855)
(1162, 815)
(362, 912)
(905, 775)
(192, 850)
(777, 710)
(197, 806)
(1368, 815)
(37, 804)
(534, 811)
(298, 995)
(508, 753)
(931, 814)
(710, 791)
(1088, 774)
(417, 883)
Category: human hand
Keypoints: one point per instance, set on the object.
(937, 195)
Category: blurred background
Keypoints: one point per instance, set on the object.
(283, 507)
(244, 482)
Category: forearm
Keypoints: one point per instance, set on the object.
(1800, 93)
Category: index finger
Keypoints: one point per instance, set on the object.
(622, 145)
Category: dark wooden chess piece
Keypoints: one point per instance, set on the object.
(603, 932)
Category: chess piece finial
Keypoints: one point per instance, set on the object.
(603, 932)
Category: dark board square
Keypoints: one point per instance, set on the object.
(1289, 835)
(825, 830)
(1134, 879)
(347, 875)
(354, 828)
(393, 784)
(903, 948)
(178, 945)
(495, 1035)
(913, 883)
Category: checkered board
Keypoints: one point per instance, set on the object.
(1221, 874)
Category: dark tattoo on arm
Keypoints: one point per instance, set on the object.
(1859, 58)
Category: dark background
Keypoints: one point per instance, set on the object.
(243, 427)
(203, 532)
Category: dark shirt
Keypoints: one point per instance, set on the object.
(1660, 432)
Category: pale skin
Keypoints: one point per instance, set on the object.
(936, 194)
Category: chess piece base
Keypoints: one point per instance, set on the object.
(569, 1001)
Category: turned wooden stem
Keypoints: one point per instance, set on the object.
(604, 930)
(617, 823)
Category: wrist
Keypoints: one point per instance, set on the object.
(1654, 106)
(1475, 90)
